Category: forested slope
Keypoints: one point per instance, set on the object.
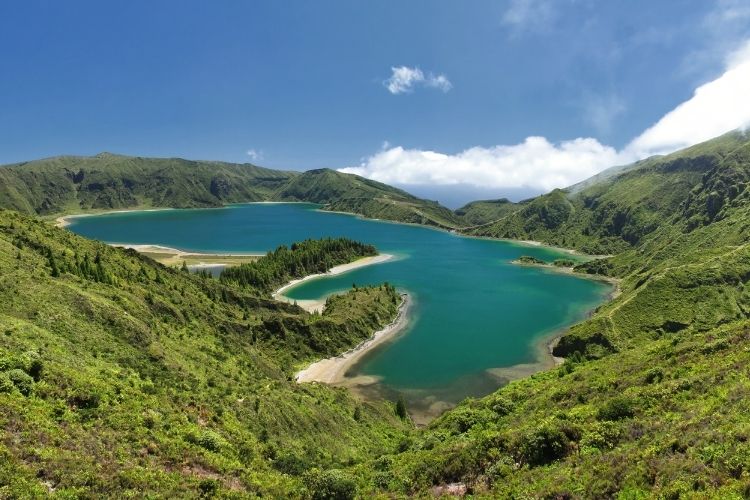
(119, 376)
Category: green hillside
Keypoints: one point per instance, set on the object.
(72, 184)
(120, 377)
(619, 211)
(484, 211)
(650, 401)
(350, 193)
(106, 181)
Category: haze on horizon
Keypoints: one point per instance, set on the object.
(498, 99)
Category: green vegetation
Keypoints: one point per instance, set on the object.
(617, 210)
(607, 428)
(485, 211)
(302, 259)
(128, 378)
(154, 381)
(564, 263)
(69, 184)
(529, 260)
(350, 193)
(72, 184)
(650, 400)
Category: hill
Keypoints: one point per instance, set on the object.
(617, 211)
(107, 181)
(120, 377)
(648, 402)
(72, 184)
(481, 212)
(651, 401)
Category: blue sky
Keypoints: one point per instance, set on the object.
(302, 84)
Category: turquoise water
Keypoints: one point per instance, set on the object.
(473, 310)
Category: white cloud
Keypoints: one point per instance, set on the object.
(716, 107)
(534, 163)
(404, 79)
(254, 154)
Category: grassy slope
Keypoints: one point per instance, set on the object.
(70, 184)
(485, 211)
(617, 213)
(106, 181)
(652, 399)
(155, 381)
(350, 193)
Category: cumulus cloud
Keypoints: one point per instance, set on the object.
(536, 162)
(715, 108)
(255, 154)
(405, 79)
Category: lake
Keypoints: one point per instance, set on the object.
(477, 319)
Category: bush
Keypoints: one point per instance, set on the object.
(6, 385)
(22, 380)
(543, 446)
(32, 364)
(330, 485)
(616, 408)
(85, 398)
(654, 375)
(207, 439)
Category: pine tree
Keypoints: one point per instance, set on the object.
(401, 408)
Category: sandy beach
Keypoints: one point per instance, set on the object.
(318, 305)
(64, 220)
(333, 370)
(195, 260)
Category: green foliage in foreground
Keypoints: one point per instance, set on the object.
(667, 420)
(156, 382)
(301, 259)
(652, 398)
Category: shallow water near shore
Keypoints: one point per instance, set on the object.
(473, 310)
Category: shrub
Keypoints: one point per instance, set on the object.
(330, 485)
(654, 375)
(207, 439)
(32, 364)
(401, 408)
(543, 446)
(6, 385)
(616, 408)
(85, 398)
(22, 380)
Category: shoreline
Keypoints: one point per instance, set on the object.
(569, 271)
(63, 220)
(169, 256)
(333, 370)
(317, 305)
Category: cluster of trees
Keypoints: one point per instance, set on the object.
(301, 259)
(82, 267)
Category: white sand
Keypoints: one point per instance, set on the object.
(318, 305)
(332, 370)
(64, 220)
